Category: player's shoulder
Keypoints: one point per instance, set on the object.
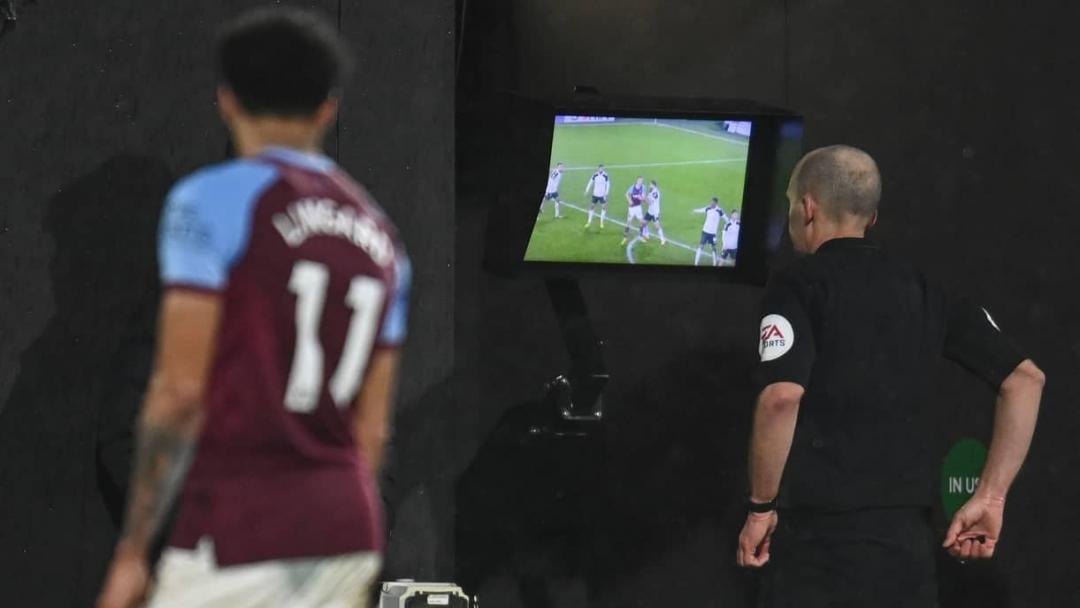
(358, 193)
(232, 180)
(368, 204)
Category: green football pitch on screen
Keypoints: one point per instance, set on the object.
(691, 161)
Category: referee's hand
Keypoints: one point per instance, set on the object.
(975, 528)
(755, 539)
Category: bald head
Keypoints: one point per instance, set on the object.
(844, 180)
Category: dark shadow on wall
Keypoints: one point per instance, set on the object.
(541, 509)
(66, 429)
(528, 503)
(416, 485)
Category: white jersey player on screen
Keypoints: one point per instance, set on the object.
(713, 214)
(600, 185)
(552, 191)
(730, 239)
(652, 214)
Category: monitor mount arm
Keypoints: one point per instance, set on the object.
(576, 396)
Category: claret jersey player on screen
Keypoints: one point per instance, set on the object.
(285, 304)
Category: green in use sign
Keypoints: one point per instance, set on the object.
(960, 474)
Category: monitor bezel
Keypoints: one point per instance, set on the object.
(763, 209)
(552, 265)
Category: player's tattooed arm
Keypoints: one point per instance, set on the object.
(163, 456)
(173, 412)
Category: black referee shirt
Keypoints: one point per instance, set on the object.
(863, 334)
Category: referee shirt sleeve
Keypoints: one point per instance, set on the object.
(786, 338)
(974, 340)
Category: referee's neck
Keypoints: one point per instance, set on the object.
(848, 232)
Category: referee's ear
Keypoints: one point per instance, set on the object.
(873, 220)
(810, 209)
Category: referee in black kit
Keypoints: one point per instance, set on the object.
(850, 338)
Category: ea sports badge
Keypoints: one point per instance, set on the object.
(777, 337)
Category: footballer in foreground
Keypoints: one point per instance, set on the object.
(283, 310)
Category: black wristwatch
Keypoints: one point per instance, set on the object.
(762, 507)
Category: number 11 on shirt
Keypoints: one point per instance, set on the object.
(365, 297)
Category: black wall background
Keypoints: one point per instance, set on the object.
(103, 106)
(968, 107)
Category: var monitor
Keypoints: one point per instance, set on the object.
(642, 190)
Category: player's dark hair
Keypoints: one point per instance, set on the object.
(844, 179)
(716, 200)
(281, 61)
(653, 182)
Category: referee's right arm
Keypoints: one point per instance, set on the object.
(974, 340)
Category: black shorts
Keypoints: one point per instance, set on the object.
(708, 239)
(652, 218)
(601, 200)
(551, 196)
(882, 558)
(727, 253)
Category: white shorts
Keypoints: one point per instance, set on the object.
(192, 578)
(635, 211)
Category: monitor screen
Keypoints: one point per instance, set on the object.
(641, 190)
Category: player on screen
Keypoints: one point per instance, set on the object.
(635, 198)
(600, 185)
(652, 215)
(552, 191)
(713, 215)
(729, 239)
(284, 307)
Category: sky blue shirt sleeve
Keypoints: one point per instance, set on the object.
(207, 222)
(396, 323)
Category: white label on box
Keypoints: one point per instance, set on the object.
(438, 600)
